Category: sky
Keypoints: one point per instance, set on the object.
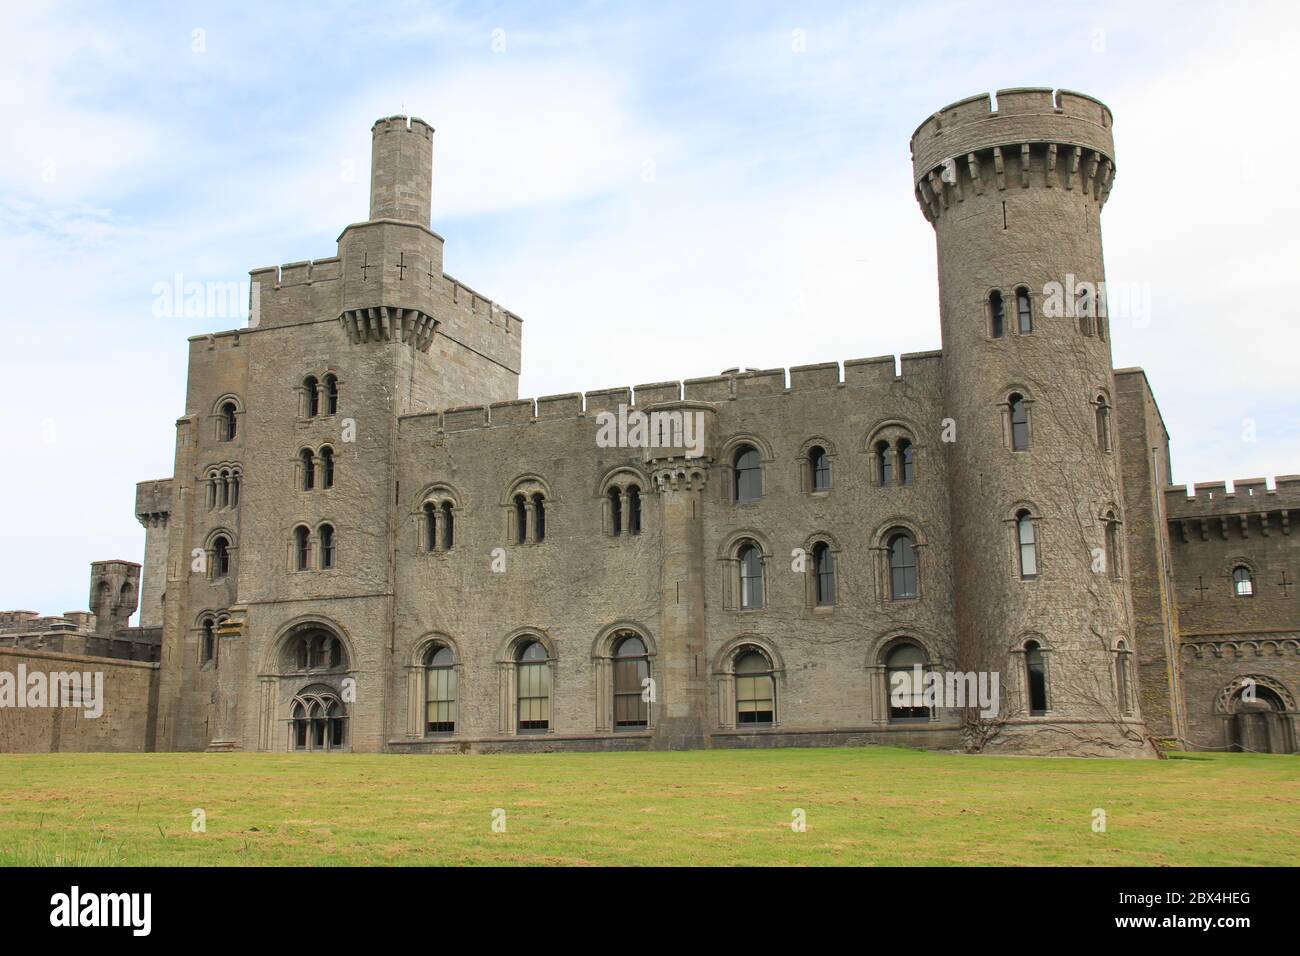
(661, 191)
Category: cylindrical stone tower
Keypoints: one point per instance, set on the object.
(1014, 192)
(401, 170)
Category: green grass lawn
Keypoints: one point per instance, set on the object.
(875, 805)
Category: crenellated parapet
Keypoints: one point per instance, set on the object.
(153, 502)
(1033, 138)
(1251, 508)
(919, 369)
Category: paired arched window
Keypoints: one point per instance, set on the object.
(327, 546)
(1027, 544)
(750, 559)
(748, 467)
(1035, 678)
(533, 678)
(631, 674)
(903, 578)
(894, 463)
(819, 469)
(316, 469)
(441, 686)
(1019, 410)
(317, 720)
(755, 688)
(1243, 582)
(623, 509)
(301, 548)
(220, 556)
(997, 315)
(229, 421)
(823, 574)
(315, 650)
(905, 683)
(1103, 423)
(439, 525)
(1024, 311)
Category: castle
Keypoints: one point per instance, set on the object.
(370, 543)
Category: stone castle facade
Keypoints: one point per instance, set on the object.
(370, 543)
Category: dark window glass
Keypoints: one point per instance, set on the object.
(308, 461)
(331, 395)
(1103, 423)
(634, 510)
(521, 519)
(1024, 312)
(326, 546)
(749, 474)
(824, 570)
(221, 557)
(902, 567)
(448, 526)
(615, 511)
(539, 517)
(751, 577)
(430, 526)
(229, 421)
(327, 467)
(885, 462)
(302, 548)
(209, 642)
(1019, 423)
(310, 387)
(997, 315)
(907, 461)
(820, 464)
(1036, 678)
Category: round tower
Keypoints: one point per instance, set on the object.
(401, 169)
(1014, 191)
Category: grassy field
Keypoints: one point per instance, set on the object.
(880, 806)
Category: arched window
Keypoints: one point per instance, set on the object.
(903, 583)
(615, 511)
(327, 467)
(448, 526)
(997, 315)
(824, 573)
(1121, 677)
(539, 517)
(229, 421)
(1027, 543)
(208, 644)
(1019, 422)
(234, 488)
(1112, 544)
(751, 576)
(905, 683)
(534, 682)
(633, 509)
(307, 463)
(819, 463)
(212, 490)
(884, 463)
(316, 650)
(301, 548)
(749, 474)
(1036, 678)
(631, 671)
(317, 720)
(331, 395)
(326, 533)
(430, 526)
(440, 690)
(1103, 423)
(1243, 584)
(1024, 312)
(906, 461)
(311, 392)
(521, 519)
(755, 688)
(220, 556)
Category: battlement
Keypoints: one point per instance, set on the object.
(402, 124)
(881, 371)
(1212, 498)
(153, 501)
(1028, 135)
